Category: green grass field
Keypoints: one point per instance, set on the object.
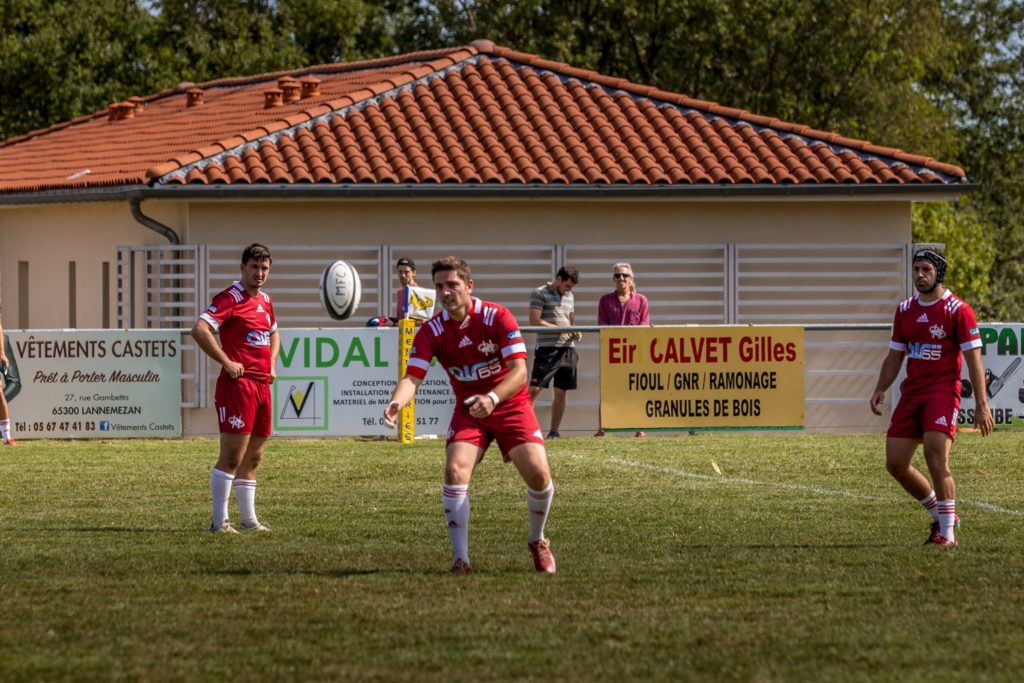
(801, 561)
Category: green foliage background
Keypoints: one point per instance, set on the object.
(942, 78)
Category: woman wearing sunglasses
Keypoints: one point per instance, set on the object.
(624, 306)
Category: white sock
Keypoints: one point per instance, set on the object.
(455, 498)
(5, 430)
(245, 494)
(220, 491)
(931, 504)
(538, 504)
(947, 518)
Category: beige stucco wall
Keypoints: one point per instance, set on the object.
(534, 220)
(50, 236)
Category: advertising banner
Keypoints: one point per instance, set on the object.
(1003, 358)
(337, 383)
(108, 384)
(702, 377)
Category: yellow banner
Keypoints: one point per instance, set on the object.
(672, 378)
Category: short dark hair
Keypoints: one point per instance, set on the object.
(405, 261)
(566, 273)
(256, 252)
(460, 267)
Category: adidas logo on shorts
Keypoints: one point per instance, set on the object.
(942, 421)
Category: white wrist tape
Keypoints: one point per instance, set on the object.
(494, 398)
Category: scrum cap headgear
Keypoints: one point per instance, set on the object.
(936, 260)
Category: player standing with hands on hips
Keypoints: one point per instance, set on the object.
(933, 328)
(249, 344)
(481, 347)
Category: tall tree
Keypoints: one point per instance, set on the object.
(980, 86)
(60, 59)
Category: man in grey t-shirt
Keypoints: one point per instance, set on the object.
(554, 358)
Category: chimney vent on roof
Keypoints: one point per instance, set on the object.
(310, 86)
(290, 87)
(272, 98)
(137, 102)
(120, 110)
(195, 97)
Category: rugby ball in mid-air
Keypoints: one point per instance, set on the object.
(340, 290)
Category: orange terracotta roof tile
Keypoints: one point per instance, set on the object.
(475, 114)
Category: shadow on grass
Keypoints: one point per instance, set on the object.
(786, 546)
(109, 529)
(333, 573)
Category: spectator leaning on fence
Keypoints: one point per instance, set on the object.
(5, 413)
(555, 358)
(405, 269)
(624, 306)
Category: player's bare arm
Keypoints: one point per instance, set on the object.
(890, 369)
(203, 334)
(483, 405)
(275, 349)
(982, 415)
(400, 398)
(537, 321)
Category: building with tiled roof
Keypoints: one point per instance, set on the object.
(130, 215)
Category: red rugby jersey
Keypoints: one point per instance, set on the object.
(475, 353)
(933, 336)
(245, 323)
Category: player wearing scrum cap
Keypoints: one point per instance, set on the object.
(481, 347)
(934, 329)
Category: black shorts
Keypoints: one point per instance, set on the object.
(554, 362)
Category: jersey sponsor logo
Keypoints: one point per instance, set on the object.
(938, 332)
(476, 371)
(257, 338)
(973, 331)
(487, 347)
(466, 341)
(514, 334)
(921, 351)
(923, 318)
(211, 309)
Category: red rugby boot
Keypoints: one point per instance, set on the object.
(543, 560)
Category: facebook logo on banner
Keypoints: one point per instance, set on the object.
(104, 426)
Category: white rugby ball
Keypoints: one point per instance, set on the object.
(340, 290)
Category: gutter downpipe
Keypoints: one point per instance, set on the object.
(135, 204)
(151, 223)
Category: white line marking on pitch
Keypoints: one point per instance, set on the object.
(778, 484)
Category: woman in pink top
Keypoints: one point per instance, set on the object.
(624, 306)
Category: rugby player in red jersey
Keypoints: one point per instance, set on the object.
(933, 329)
(249, 343)
(481, 347)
